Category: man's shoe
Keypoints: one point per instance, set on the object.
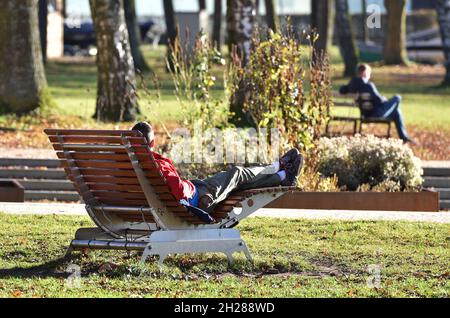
(410, 141)
(292, 172)
(289, 157)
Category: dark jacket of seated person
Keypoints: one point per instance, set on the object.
(359, 85)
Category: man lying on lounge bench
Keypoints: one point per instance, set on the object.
(206, 194)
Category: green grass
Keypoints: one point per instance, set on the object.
(293, 258)
(73, 86)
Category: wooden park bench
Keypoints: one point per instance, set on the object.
(363, 102)
(130, 202)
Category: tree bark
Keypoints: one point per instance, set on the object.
(43, 14)
(116, 99)
(217, 28)
(135, 35)
(240, 24)
(443, 13)
(202, 5)
(395, 36)
(365, 30)
(347, 44)
(171, 27)
(23, 86)
(271, 16)
(322, 21)
(171, 22)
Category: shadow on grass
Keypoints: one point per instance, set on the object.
(53, 269)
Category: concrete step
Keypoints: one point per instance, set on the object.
(437, 182)
(445, 204)
(444, 194)
(32, 174)
(34, 195)
(24, 162)
(436, 172)
(55, 185)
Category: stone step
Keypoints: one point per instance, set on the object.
(24, 162)
(437, 182)
(436, 171)
(34, 195)
(33, 174)
(55, 185)
(444, 194)
(445, 204)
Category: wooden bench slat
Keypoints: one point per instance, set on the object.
(116, 172)
(95, 156)
(101, 156)
(127, 187)
(113, 187)
(111, 180)
(106, 164)
(53, 132)
(119, 195)
(98, 148)
(96, 140)
(123, 202)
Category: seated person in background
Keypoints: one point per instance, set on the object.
(383, 108)
(208, 193)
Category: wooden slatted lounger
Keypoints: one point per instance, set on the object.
(129, 200)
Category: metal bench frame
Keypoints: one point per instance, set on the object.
(160, 231)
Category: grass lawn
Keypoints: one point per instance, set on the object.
(293, 258)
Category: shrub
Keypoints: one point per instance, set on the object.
(275, 80)
(370, 163)
(193, 79)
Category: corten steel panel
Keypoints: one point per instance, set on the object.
(425, 201)
(11, 191)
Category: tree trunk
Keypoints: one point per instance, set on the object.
(365, 30)
(240, 24)
(322, 21)
(443, 12)
(171, 22)
(202, 5)
(135, 35)
(43, 14)
(171, 27)
(23, 86)
(116, 99)
(271, 16)
(217, 29)
(395, 34)
(64, 8)
(347, 45)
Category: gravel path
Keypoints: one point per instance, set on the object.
(78, 209)
(28, 153)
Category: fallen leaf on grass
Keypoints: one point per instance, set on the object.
(16, 294)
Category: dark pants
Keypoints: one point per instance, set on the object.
(237, 178)
(391, 110)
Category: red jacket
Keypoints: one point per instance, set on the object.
(181, 189)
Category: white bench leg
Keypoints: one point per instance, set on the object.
(163, 243)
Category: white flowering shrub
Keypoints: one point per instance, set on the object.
(370, 163)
